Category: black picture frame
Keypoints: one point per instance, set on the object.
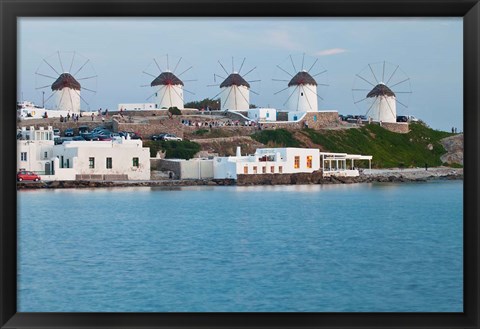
(10, 10)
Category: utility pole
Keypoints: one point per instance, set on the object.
(43, 99)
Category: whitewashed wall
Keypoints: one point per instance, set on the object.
(235, 98)
(303, 98)
(384, 109)
(67, 99)
(78, 153)
(230, 167)
(169, 96)
(262, 114)
(136, 106)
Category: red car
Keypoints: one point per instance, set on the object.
(27, 175)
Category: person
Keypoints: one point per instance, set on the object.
(426, 166)
(61, 118)
(453, 130)
(92, 116)
(103, 119)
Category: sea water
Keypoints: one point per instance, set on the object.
(380, 247)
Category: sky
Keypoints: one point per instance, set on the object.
(124, 54)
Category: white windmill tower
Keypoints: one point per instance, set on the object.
(303, 86)
(235, 89)
(66, 89)
(380, 102)
(169, 88)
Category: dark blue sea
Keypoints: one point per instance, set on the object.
(319, 248)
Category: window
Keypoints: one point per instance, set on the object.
(272, 169)
(23, 156)
(301, 94)
(109, 163)
(296, 163)
(254, 169)
(309, 161)
(268, 115)
(280, 169)
(91, 163)
(45, 155)
(68, 163)
(264, 170)
(135, 162)
(62, 165)
(245, 170)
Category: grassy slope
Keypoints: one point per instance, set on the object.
(387, 148)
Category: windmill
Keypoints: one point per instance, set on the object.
(67, 75)
(167, 84)
(378, 88)
(235, 88)
(305, 82)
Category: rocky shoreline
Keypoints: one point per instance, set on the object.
(374, 176)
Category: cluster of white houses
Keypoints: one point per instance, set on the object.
(117, 159)
(126, 159)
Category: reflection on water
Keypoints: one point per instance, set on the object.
(322, 248)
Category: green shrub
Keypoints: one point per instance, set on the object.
(277, 138)
(173, 149)
(201, 132)
(174, 111)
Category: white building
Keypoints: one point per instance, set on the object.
(105, 160)
(295, 115)
(383, 107)
(262, 114)
(27, 110)
(235, 93)
(67, 93)
(302, 91)
(137, 106)
(288, 160)
(169, 91)
(342, 164)
(35, 150)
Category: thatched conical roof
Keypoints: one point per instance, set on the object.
(380, 90)
(66, 80)
(302, 78)
(166, 78)
(234, 79)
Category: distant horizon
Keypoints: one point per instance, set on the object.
(428, 51)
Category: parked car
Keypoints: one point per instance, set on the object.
(56, 132)
(83, 130)
(170, 137)
(68, 132)
(402, 118)
(133, 135)
(27, 175)
(90, 137)
(57, 140)
(158, 137)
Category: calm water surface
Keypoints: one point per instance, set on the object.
(341, 248)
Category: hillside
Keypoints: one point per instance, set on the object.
(422, 145)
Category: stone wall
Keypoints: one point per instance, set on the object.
(396, 127)
(314, 120)
(166, 125)
(166, 165)
(280, 179)
(55, 123)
